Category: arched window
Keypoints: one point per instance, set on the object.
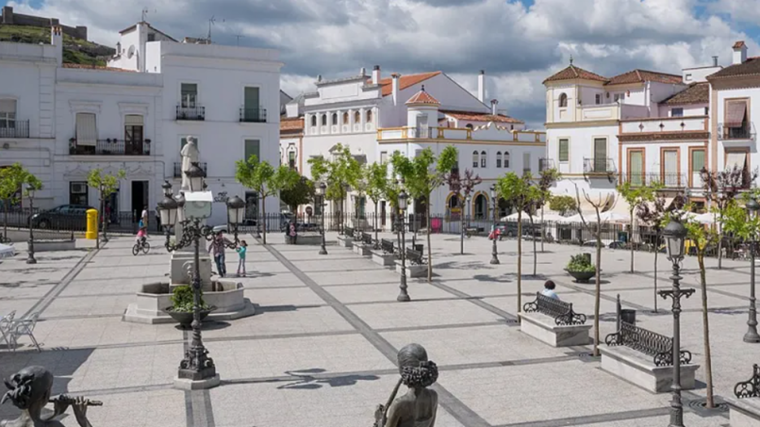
(469, 126)
(483, 158)
(369, 116)
(453, 207)
(335, 119)
(480, 206)
(506, 159)
(563, 100)
(324, 119)
(313, 120)
(475, 158)
(498, 159)
(345, 118)
(357, 117)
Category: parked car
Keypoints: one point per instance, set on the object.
(64, 217)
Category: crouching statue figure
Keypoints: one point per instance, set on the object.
(29, 390)
(418, 407)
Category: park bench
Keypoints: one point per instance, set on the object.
(416, 264)
(470, 231)
(347, 239)
(349, 231)
(362, 243)
(415, 257)
(386, 254)
(744, 406)
(554, 322)
(644, 357)
(366, 238)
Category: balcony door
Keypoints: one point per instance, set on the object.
(189, 95)
(133, 135)
(600, 154)
(251, 105)
(696, 163)
(670, 168)
(636, 166)
(7, 118)
(736, 123)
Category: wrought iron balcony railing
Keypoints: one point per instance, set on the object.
(253, 115)
(111, 147)
(178, 168)
(599, 165)
(667, 179)
(746, 132)
(14, 129)
(196, 112)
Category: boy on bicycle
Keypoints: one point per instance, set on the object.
(142, 232)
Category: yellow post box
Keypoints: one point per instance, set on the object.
(92, 224)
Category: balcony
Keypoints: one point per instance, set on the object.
(599, 167)
(746, 133)
(664, 129)
(178, 168)
(15, 129)
(253, 115)
(441, 134)
(111, 147)
(670, 180)
(194, 113)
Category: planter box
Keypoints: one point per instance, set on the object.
(362, 249)
(639, 369)
(54, 245)
(346, 242)
(581, 276)
(306, 240)
(381, 258)
(412, 271)
(543, 328)
(744, 412)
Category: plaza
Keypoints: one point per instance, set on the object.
(321, 349)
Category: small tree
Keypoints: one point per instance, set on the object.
(562, 204)
(300, 194)
(548, 178)
(105, 184)
(462, 187)
(422, 175)
(11, 180)
(337, 173)
(377, 180)
(265, 180)
(634, 196)
(519, 192)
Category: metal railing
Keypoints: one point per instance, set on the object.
(747, 131)
(599, 165)
(667, 179)
(111, 147)
(196, 112)
(178, 168)
(253, 115)
(15, 129)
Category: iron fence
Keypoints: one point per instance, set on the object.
(118, 222)
(15, 129)
(253, 115)
(111, 147)
(195, 112)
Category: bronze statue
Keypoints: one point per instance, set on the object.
(29, 390)
(418, 407)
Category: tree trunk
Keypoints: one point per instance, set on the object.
(656, 251)
(264, 219)
(430, 250)
(630, 240)
(533, 236)
(376, 241)
(542, 234)
(706, 332)
(598, 290)
(5, 221)
(720, 250)
(519, 260)
(461, 231)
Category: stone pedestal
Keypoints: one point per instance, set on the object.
(744, 412)
(381, 258)
(362, 249)
(189, 385)
(543, 328)
(182, 267)
(412, 271)
(639, 369)
(345, 241)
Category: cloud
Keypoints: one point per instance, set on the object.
(518, 43)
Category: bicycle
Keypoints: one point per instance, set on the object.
(141, 245)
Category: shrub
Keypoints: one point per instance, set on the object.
(581, 264)
(183, 299)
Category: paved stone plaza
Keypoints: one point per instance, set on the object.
(321, 349)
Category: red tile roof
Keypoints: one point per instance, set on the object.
(739, 44)
(750, 67)
(697, 93)
(422, 97)
(481, 117)
(405, 81)
(640, 76)
(291, 124)
(572, 72)
(95, 67)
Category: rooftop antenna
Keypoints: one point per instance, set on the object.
(144, 14)
(239, 36)
(571, 59)
(211, 21)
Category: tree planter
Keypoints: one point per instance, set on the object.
(581, 276)
(184, 318)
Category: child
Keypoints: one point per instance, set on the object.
(241, 249)
(142, 232)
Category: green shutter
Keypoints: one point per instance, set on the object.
(564, 150)
(251, 104)
(637, 167)
(252, 149)
(697, 160)
(600, 155)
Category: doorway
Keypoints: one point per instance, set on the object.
(382, 213)
(139, 198)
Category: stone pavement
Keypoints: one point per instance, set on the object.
(321, 350)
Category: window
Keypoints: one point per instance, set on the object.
(707, 111)
(369, 116)
(87, 132)
(251, 205)
(7, 113)
(498, 159)
(670, 168)
(618, 97)
(133, 134)
(481, 207)
(526, 163)
(475, 159)
(383, 156)
(292, 159)
(563, 101)
(335, 119)
(483, 158)
(676, 112)
(78, 193)
(345, 118)
(598, 98)
(151, 37)
(357, 117)
(636, 167)
(687, 77)
(251, 105)
(324, 119)
(252, 149)
(697, 162)
(564, 150)
(736, 124)
(189, 95)
(600, 155)
(313, 120)
(506, 159)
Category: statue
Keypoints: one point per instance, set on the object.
(418, 407)
(189, 156)
(29, 390)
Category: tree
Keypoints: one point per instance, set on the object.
(462, 187)
(265, 180)
(377, 185)
(422, 175)
(106, 184)
(634, 196)
(12, 180)
(549, 177)
(519, 192)
(300, 194)
(337, 174)
(562, 204)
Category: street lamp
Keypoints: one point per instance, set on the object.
(751, 336)
(30, 246)
(402, 205)
(675, 235)
(321, 188)
(494, 256)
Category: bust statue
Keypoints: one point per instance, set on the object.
(189, 156)
(418, 407)
(29, 390)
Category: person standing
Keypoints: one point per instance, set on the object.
(217, 248)
(293, 233)
(241, 250)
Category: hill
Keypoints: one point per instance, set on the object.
(75, 51)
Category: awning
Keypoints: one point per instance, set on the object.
(133, 120)
(8, 106)
(735, 112)
(87, 133)
(736, 160)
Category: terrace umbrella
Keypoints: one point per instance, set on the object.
(7, 251)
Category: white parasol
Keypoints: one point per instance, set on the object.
(7, 251)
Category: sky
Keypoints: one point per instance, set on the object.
(517, 42)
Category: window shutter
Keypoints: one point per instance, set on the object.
(637, 167)
(564, 150)
(7, 106)
(133, 120)
(87, 133)
(735, 112)
(252, 149)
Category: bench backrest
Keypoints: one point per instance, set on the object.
(561, 311)
(386, 246)
(415, 257)
(366, 238)
(349, 231)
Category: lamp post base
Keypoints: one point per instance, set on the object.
(403, 297)
(323, 251)
(494, 260)
(31, 259)
(752, 336)
(190, 384)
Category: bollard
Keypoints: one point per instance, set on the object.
(92, 224)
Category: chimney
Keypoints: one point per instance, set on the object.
(376, 75)
(494, 103)
(56, 40)
(394, 87)
(362, 71)
(482, 86)
(740, 52)
(715, 61)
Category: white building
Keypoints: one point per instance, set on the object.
(61, 120)
(376, 117)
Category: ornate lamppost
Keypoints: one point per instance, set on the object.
(494, 253)
(751, 336)
(196, 367)
(675, 235)
(30, 246)
(321, 188)
(402, 205)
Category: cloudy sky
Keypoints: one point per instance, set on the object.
(517, 42)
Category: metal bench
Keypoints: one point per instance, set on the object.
(561, 311)
(348, 231)
(470, 231)
(751, 387)
(386, 246)
(415, 257)
(366, 238)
